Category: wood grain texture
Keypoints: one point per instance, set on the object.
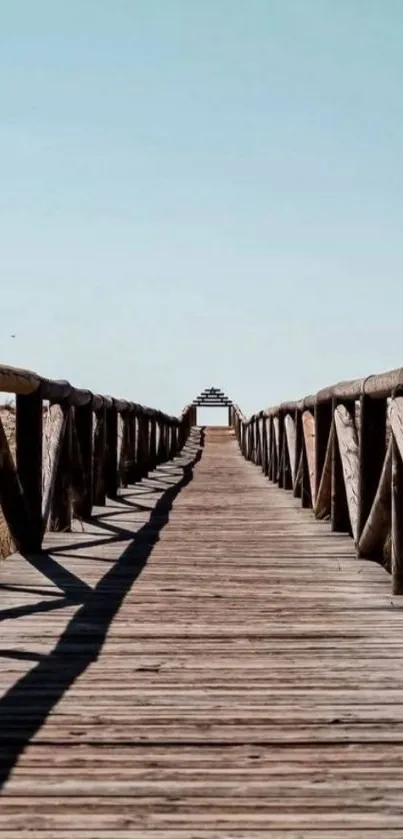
(291, 436)
(308, 430)
(201, 659)
(54, 431)
(396, 421)
(348, 448)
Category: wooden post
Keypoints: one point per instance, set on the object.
(124, 448)
(339, 516)
(274, 458)
(298, 453)
(62, 501)
(281, 436)
(99, 458)
(242, 437)
(29, 427)
(111, 466)
(129, 477)
(12, 500)
(265, 460)
(142, 446)
(83, 488)
(175, 439)
(372, 450)
(171, 441)
(323, 424)
(152, 448)
(258, 442)
(161, 440)
(397, 520)
(286, 462)
(306, 492)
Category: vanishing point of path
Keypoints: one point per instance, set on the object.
(202, 659)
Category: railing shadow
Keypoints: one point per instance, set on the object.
(27, 704)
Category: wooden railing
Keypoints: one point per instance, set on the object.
(73, 449)
(341, 452)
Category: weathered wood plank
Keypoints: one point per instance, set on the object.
(204, 658)
(348, 448)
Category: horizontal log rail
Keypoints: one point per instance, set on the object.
(341, 452)
(73, 450)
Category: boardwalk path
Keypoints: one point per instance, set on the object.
(230, 672)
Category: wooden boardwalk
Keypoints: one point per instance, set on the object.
(203, 659)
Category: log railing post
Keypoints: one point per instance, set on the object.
(152, 446)
(299, 453)
(339, 516)
(161, 452)
(265, 460)
(111, 466)
(99, 458)
(83, 486)
(250, 440)
(306, 491)
(372, 443)
(131, 450)
(29, 429)
(323, 424)
(287, 472)
(142, 445)
(397, 520)
(125, 455)
(246, 440)
(258, 441)
(274, 458)
(174, 440)
(281, 449)
(61, 508)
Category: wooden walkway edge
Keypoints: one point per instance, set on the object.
(201, 659)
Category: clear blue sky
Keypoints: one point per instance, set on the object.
(200, 192)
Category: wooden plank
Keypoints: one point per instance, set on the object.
(201, 657)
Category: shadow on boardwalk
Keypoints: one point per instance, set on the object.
(26, 706)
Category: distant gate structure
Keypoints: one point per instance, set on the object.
(213, 397)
